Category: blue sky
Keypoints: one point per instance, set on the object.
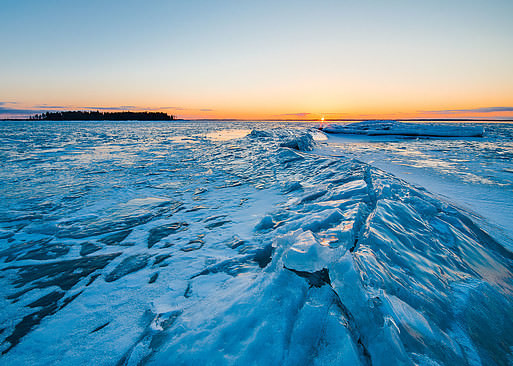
(252, 59)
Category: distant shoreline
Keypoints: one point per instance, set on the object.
(263, 120)
(101, 116)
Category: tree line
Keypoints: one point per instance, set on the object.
(102, 116)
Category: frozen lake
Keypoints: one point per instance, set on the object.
(474, 173)
(250, 243)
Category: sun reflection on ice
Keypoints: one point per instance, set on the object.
(229, 134)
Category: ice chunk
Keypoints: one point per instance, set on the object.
(413, 321)
(405, 129)
(303, 142)
(306, 254)
(160, 232)
(89, 248)
(116, 238)
(322, 220)
(128, 265)
(321, 335)
(356, 189)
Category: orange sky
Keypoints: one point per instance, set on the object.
(260, 60)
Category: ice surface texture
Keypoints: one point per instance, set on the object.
(474, 172)
(124, 246)
(374, 128)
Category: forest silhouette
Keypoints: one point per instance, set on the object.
(102, 116)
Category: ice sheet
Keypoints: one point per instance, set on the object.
(379, 127)
(121, 246)
(473, 173)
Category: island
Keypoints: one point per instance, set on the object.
(102, 116)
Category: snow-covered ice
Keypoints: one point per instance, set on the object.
(385, 127)
(473, 173)
(184, 244)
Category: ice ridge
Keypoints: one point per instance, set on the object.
(374, 128)
(252, 251)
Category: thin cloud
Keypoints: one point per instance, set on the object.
(301, 114)
(188, 109)
(8, 103)
(45, 106)
(473, 110)
(4, 110)
(121, 108)
(174, 108)
(67, 107)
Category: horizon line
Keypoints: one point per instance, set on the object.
(302, 120)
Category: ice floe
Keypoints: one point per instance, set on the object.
(379, 127)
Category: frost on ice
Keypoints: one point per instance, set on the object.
(248, 251)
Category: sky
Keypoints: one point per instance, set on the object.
(259, 59)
